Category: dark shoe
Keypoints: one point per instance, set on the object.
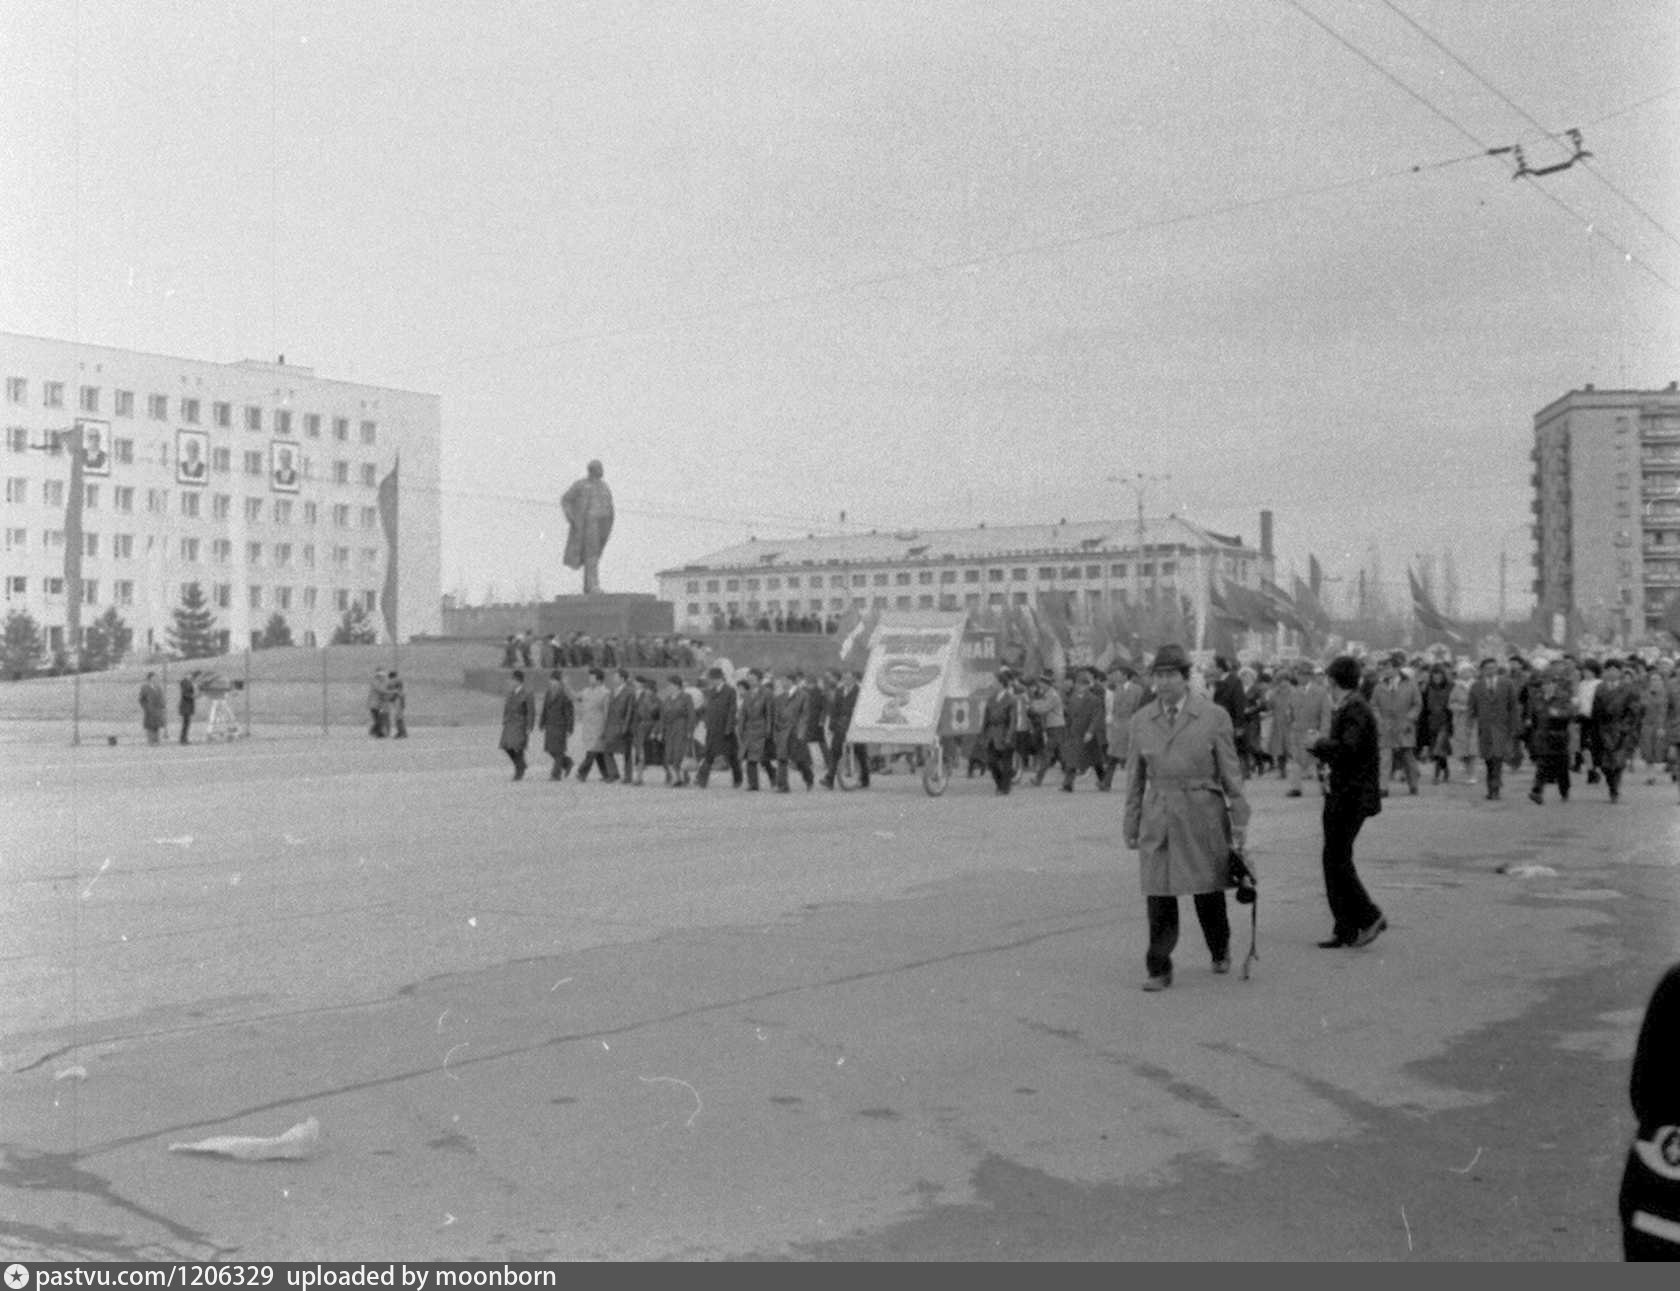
(1370, 934)
(1382, 793)
(1592, 777)
(1222, 965)
(1293, 793)
(1067, 788)
(1334, 943)
(1413, 791)
(1535, 796)
(1158, 983)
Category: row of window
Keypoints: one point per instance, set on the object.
(1046, 573)
(221, 459)
(190, 549)
(190, 410)
(838, 604)
(190, 504)
(220, 594)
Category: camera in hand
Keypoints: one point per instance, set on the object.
(1247, 887)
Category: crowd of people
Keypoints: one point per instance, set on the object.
(386, 703)
(527, 650)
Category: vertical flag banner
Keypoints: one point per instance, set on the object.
(388, 522)
(1431, 619)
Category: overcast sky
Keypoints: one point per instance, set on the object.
(929, 264)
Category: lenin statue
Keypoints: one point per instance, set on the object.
(588, 507)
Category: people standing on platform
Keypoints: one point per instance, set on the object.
(518, 717)
(1616, 719)
(557, 718)
(1350, 753)
(154, 709)
(719, 717)
(1185, 811)
(1495, 713)
(676, 728)
(187, 703)
(592, 728)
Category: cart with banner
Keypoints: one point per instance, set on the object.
(917, 694)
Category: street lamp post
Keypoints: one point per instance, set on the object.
(55, 441)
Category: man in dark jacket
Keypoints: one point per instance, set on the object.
(718, 714)
(1083, 735)
(1228, 693)
(1617, 715)
(1494, 712)
(518, 716)
(1349, 753)
(997, 730)
(1552, 712)
(789, 718)
(556, 721)
(816, 713)
(840, 710)
(615, 736)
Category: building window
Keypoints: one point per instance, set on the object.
(123, 590)
(189, 550)
(221, 460)
(793, 584)
(773, 584)
(189, 503)
(879, 580)
(309, 555)
(370, 432)
(341, 558)
(817, 581)
(122, 498)
(370, 474)
(312, 424)
(17, 390)
(282, 554)
(694, 609)
(341, 429)
(282, 511)
(254, 462)
(220, 506)
(309, 598)
(1019, 575)
(341, 472)
(1071, 571)
(189, 411)
(256, 597)
(17, 438)
(90, 497)
(310, 513)
(157, 407)
(122, 546)
(123, 403)
(253, 553)
(370, 557)
(994, 575)
(224, 595)
(341, 515)
(752, 584)
(222, 414)
(282, 598)
(341, 598)
(1167, 567)
(692, 587)
(924, 601)
(90, 591)
(90, 544)
(53, 586)
(52, 539)
(17, 489)
(52, 394)
(253, 417)
(283, 422)
(17, 540)
(89, 398)
(253, 510)
(971, 575)
(17, 585)
(733, 585)
(221, 550)
(1117, 571)
(52, 493)
(902, 578)
(123, 450)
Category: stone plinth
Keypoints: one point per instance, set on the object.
(606, 614)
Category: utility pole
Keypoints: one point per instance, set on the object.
(54, 442)
(1502, 559)
(1138, 482)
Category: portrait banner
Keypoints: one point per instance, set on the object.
(284, 456)
(192, 458)
(96, 446)
(902, 697)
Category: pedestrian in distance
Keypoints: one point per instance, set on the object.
(556, 719)
(753, 719)
(187, 704)
(519, 715)
(154, 707)
(377, 698)
(997, 730)
(1185, 812)
(1494, 711)
(1548, 741)
(616, 734)
(718, 715)
(1616, 719)
(676, 723)
(396, 705)
(592, 728)
(842, 704)
(1397, 704)
(1349, 752)
(1458, 718)
(1309, 718)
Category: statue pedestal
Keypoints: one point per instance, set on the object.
(606, 614)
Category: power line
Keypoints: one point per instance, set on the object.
(1592, 229)
(1524, 114)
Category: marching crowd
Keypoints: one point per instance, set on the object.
(580, 650)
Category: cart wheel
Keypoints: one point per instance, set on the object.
(936, 774)
(846, 773)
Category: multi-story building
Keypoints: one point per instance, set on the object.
(1106, 564)
(1606, 503)
(260, 482)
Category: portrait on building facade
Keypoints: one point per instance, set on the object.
(96, 447)
(192, 457)
(284, 465)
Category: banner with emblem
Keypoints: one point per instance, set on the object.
(912, 659)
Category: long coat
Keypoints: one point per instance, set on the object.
(1618, 713)
(519, 714)
(1310, 710)
(841, 705)
(1281, 700)
(1458, 713)
(1396, 706)
(754, 719)
(1085, 734)
(1183, 797)
(592, 717)
(621, 710)
(676, 723)
(645, 717)
(998, 728)
(556, 719)
(718, 713)
(1124, 700)
(152, 706)
(1495, 714)
(1435, 722)
(1350, 751)
(787, 721)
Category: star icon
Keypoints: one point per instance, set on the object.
(17, 1277)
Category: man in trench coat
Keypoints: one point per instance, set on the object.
(519, 715)
(1185, 811)
(1495, 714)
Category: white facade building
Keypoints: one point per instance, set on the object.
(1106, 564)
(258, 481)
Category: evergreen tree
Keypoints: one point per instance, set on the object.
(276, 632)
(193, 633)
(355, 628)
(20, 650)
(106, 641)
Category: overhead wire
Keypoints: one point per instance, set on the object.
(1527, 116)
(1592, 228)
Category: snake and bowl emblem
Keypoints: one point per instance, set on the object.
(896, 680)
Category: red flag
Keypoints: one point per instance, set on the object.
(388, 522)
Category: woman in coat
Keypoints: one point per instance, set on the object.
(556, 719)
(1280, 703)
(645, 730)
(153, 706)
(676, 728)
(1185, 811)
(1458, 714)
(1434, 730)
(1653, 737)
(518, 716)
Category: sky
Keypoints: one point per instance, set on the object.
(917, 265)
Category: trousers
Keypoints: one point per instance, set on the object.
(1163, 929)
(1351, 907)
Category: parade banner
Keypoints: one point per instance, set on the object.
(912, 659)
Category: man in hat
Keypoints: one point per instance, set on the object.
(1494, 712)
(1396, 704)
(1185, 811)
(717, 713)
(997, 730)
